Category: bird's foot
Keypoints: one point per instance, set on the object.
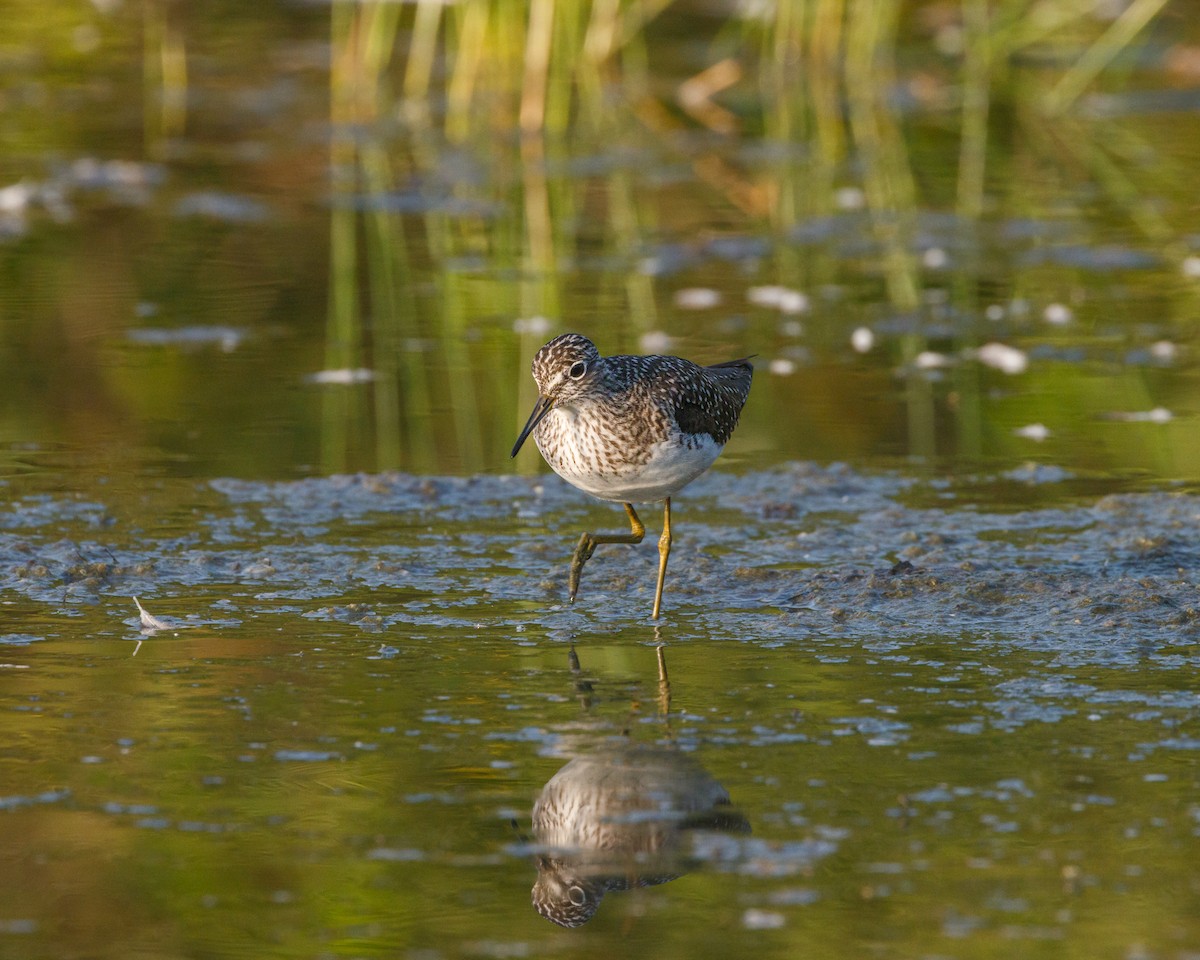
(583, 553)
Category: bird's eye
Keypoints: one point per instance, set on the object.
(577, 895)
(577, 370)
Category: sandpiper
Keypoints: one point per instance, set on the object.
(630, 429)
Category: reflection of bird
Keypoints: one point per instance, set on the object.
(619, 818)
(630, 429)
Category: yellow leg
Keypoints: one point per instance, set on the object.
(664, 684)
(664, 551)
(589, 541)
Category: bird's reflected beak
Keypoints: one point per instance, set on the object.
(540, 409)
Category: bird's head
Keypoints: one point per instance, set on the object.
(565, 369)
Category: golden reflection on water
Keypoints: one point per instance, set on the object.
(311, 240)
(382, 285)
(269, 788)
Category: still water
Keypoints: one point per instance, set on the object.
(925, 683)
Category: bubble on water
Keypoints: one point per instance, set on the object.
(536, 325)
(1057, 314)
(1001, 356)
(935, 258)
(1163, 350)
(994, 312)
(1156, 415)
(793, 301)
(786, 301)
(765, 296)
(656, 341)
(1191, 267)
(16, 197)
(697, 298)
(341, 377)
(930, 360)
(850, 198)
(862, 339)
(782, 367)
(1034, 431)
(755, 919)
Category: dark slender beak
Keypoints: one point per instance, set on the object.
(540, 409)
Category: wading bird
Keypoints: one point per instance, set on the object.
(630, 429)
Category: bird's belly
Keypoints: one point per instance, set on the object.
(612, 471)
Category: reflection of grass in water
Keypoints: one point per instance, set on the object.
(370, 273)
(574, 77)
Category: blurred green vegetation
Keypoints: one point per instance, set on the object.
(207, 204)
(423, 193)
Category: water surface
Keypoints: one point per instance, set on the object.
(930, 626)
(944, 729)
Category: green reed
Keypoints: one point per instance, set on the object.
(525, 86)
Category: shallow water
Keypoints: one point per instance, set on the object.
(381, 281)
(931, 624)
(950, 731)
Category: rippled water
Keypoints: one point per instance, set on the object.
(286, 662)
(939, 729)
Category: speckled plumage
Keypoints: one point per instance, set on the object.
(630, 429)
(633, 428)
(619, 818)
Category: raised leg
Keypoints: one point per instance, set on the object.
(664, 551)
(589, 541)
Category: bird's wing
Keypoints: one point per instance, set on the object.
(711, 402)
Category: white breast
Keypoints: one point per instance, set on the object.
(579, 455)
